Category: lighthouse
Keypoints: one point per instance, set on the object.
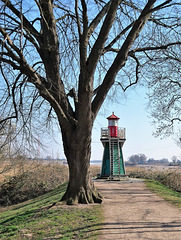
(113, 139)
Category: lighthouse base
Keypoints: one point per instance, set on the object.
(112, 163)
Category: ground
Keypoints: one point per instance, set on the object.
(132, 212)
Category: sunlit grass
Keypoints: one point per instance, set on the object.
(40, 218)
(164, 192)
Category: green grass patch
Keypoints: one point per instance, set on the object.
(38, 219)
(166, 193)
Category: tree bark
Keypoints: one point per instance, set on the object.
(77, 148)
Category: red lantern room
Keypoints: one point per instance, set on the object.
(113, 125)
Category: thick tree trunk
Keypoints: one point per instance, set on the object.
(77, 148)
(80, 188)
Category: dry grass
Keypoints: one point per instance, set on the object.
(95, 170)
(170, 177)
(28, 179)
(10, 168)
(40, 178)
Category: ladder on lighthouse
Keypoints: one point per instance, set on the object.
(114, 157)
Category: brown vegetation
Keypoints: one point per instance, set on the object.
(31, 179)
(170, 177)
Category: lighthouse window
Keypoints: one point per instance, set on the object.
(111, 123)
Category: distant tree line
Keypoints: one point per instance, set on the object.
(141, 159)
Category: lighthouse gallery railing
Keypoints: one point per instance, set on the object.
(105, 133)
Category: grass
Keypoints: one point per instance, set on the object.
(41, 219)
(171, 178)
(166, 193)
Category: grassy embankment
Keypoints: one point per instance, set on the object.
(165, 183)
(39, 218)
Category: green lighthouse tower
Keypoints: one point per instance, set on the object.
(113, 139)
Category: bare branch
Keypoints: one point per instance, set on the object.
(85, 17)
(162, 5)
(137, 72)
(159, 22)
(98, 18)
(42, 13)
(120, 59)
(176, 82)
(26, 23)
(6, 80)
(175, 119)
(6, 119)
(83, 38)
(6, 37)
(99, 44)
(109, 47)
(77, 18)
(155, 48)
(10, 62)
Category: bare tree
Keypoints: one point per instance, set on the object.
(165, 95)
(62, 58)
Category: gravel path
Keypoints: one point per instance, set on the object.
(132, 212)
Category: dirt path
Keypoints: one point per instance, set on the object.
(132, 212)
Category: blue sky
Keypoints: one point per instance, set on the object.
(134, 116)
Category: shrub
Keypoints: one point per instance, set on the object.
(170, 178)
(31, 184)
